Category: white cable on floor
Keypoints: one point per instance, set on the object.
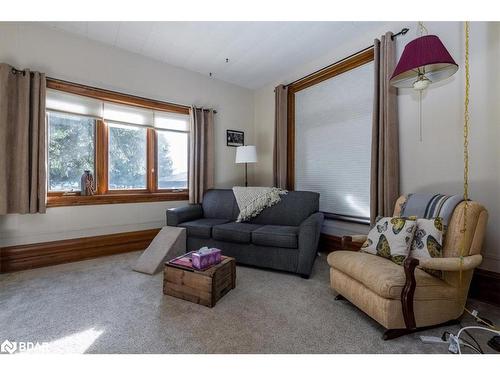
(471, 347)
(473, 327)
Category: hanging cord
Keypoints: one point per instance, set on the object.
(420, 114)
(466, 148)
(422, 29)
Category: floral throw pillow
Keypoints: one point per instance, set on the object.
(391, 238)
(428, 240)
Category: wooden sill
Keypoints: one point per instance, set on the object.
(83, 200)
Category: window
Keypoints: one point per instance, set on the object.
(172, 160)
(127, 157)
(71, 150)
(332, 120)
(137, 149)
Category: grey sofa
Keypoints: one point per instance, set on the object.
(283, 237)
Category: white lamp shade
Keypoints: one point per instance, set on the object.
(246, 154)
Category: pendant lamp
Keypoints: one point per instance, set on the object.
(425, 60)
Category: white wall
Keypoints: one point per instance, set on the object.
(72, 58)
(434, 165)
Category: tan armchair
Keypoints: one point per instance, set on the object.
(405, 299)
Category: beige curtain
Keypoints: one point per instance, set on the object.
(201, 153)
(384, 189)
(22, 141)
(280, 137)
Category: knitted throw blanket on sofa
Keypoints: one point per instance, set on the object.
(252, 200)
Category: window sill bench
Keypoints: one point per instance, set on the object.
(84, 200)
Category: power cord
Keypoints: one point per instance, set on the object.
(494, 342)
(449, 338)
(455, 340)
(473, 339)
(480, 320)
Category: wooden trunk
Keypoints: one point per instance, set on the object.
(202, 287)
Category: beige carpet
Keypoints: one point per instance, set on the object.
(102, 306)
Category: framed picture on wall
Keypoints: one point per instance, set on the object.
(235, 138)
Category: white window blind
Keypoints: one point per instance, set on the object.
(333, 121)
(61, 101)
(128, 114)
(171, 121)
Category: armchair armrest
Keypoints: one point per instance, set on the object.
(441, 264)
(451, 264)
(353, 242)
(178, 215)
(309, 233)
(408, 292)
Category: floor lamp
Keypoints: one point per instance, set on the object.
(246, 154)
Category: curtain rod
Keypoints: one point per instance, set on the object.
(17, 71)
(115, 92)
(23, 72)
(206, 109)
(402, 32)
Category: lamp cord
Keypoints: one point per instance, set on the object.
(466, 147)
(420, 113)
(422, 29)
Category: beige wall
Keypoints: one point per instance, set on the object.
(64, 56)
(434, 165)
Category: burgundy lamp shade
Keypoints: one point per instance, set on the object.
(425, 58)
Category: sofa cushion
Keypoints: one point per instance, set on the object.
(386, 278)
(201, 228)
(234, 232)
(276, 235)
(291, 210)
(220, 204)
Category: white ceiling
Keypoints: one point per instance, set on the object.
(258, 52)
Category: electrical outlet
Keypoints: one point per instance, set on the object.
(453, 348)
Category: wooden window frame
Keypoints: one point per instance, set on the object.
(103, 194)
(342, 66)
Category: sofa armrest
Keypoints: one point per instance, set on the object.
(178, 215)
(451, 264)
(309, 233)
